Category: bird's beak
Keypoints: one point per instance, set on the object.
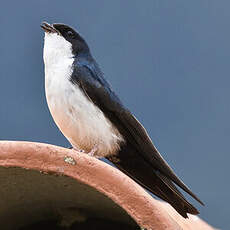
(48, 28)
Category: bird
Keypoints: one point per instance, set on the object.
(95, 121)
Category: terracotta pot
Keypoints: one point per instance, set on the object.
(40, 182)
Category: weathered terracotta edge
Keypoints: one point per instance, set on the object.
(146, 211)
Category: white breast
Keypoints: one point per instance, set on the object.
(82, 123)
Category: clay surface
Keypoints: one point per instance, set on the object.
(51, 178)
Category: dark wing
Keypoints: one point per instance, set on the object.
(89, 77)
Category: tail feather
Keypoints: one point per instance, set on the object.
(178, 198)
(132, 164)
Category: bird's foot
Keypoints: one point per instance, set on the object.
(93, 151)
(77, 149)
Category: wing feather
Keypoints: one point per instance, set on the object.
(90, 79)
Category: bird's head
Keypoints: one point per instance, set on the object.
(61, 39)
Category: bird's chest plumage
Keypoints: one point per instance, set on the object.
(83, 123)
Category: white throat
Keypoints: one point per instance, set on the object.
(56, 48)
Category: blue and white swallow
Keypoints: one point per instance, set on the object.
(94, 120)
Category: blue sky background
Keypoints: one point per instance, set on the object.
(167, 60)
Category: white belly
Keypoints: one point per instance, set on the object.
(82, 123)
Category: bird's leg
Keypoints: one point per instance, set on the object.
(93, 151)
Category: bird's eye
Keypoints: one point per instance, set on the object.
(70, 33)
